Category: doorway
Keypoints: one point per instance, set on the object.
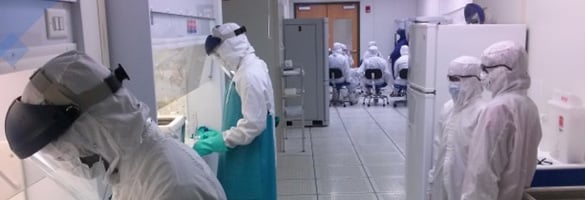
(343, 20)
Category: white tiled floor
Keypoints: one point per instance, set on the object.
(359, 156)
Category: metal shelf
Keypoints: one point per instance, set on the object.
(298, 114)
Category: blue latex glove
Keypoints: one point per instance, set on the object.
(209, 142)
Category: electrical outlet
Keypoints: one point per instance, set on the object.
(56, 21)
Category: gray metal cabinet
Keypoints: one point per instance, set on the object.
(305, 43)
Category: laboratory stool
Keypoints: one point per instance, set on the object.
(374, 87)
(336, 97)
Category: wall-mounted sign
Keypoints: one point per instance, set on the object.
(191, 26)
(349, 7)
(304, 7)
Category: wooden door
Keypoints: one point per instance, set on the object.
(344, 18)
(311, 11)
(343, 22)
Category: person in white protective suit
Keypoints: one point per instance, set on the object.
(345, 52)
(400, 64)
(372, 61)
(339, 60)
(247, 162)
(458, 119)
(76, 114)
(503, 151)
(371, 51)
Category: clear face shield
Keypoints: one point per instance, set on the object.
(41, 133)
(216, 60)
(81, 179)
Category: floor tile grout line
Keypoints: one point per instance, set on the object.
(355, 150)
(387, 134)
(314, 165)
(400, 113)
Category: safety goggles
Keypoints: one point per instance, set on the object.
(30, 127)
(457, 78)
(212, 42)
(485, 68)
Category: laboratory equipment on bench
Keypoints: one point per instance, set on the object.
(432, 48)
(561, 154)
(568, 132)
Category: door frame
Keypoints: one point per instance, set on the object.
(90, 29)
(359, 50)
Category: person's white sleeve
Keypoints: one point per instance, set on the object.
(489, 153)
(254, 115)
(396, 72)
(438, 137)
(347, 73)
(362, 69)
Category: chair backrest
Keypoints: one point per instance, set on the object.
(373, 74)
(335, 73)
(403, 74)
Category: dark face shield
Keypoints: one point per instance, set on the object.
(212, 42)
(30, 127)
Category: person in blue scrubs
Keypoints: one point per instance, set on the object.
(247, 163)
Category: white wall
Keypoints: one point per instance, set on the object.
(23, 42)
(427, 8)
(451, 5)
(555, 48)
(377, 25)
(505, 11)
(554, 45)
(439, 7)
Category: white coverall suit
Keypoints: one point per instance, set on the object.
(458, 119)
(503, 153)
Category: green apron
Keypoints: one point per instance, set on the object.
(247, 172)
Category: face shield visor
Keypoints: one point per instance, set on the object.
(91, 188)
(38, 131)
(213, 42)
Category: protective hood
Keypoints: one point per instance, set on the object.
(402, 34)
(372, 43)
(232, 50)
(338, 60)
(337, 48)
(375, 63)
(404, 50)
(371, 52)
(502, 80)
(471, 87)
(110, 128)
